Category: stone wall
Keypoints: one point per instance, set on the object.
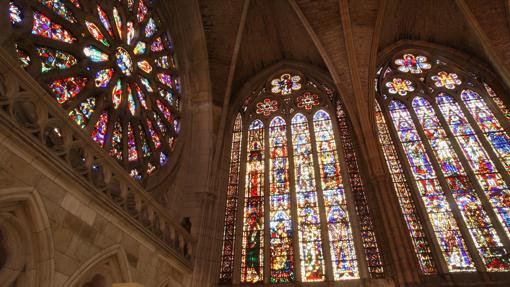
(56, 234)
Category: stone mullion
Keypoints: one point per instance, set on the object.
(267, 210)
(326, 244)
(238, 241)
(350, 201)
(493, 107)
(487, 206)
(466, 235)
(293, 202)
(441, 265)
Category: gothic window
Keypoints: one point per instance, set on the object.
(110, 66)
(444, 134)
(294, 196)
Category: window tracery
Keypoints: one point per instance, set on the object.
(446, 141)
(295, 221)
(111, 67)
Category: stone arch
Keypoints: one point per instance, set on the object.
(27, 237)
(111, 263)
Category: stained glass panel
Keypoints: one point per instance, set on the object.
(280, 224)
(446, 230)
(341, 241)
(252, 257)
(229, 233)
(55, 59)
(310, 243)
(99, 132)
(478, 223)
(420, 241)
(68, 88)
(44, 27)
(368, 237)
(489, 124)
(486, 173)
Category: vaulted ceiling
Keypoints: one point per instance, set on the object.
(243, 37)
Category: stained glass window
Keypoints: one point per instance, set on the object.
(455, 153)
(108, 55)
(296, 221)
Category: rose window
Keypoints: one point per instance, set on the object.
(110, 65)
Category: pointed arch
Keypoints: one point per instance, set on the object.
(450, 132)
(115, 254)
(31, 226)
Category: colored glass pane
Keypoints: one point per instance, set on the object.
(307, 101)
(343, 255)
(163, 62)
(145, 66)
(478, 223)
(141, 96)
(124, 62)
(252, 258)
(154, 135)
(266, 107)
(368, 237)
(130, 32)
(488, 177)
(96, 33)
(67, 88)
(400, 86)
(118, 22)
(117, 94)
(146, 151)
(165, 111)
(416, 228)
(489, 124)
(131, 100)
(165, 79)
(169, 96)
(81, 114)
(132, 152)
(229, 233)
(497, 100)
(55, 59)
(447, 80)
(446, 230)
(116, 149)
(280, 224)
(94, 54)
(163, 158)
(159, 122)
(139, 48)
(310, 243)
(60, 9)
(413, 64)
(286, 84)
(15, 14)
(99, 133)
(150, 28)
(146, 84)
(142, 11)
(103, 78)
(157, 45)
(103, 17)
(44, 27)
(23, 57)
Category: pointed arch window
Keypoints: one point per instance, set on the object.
(294, 193)
(444, 134)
